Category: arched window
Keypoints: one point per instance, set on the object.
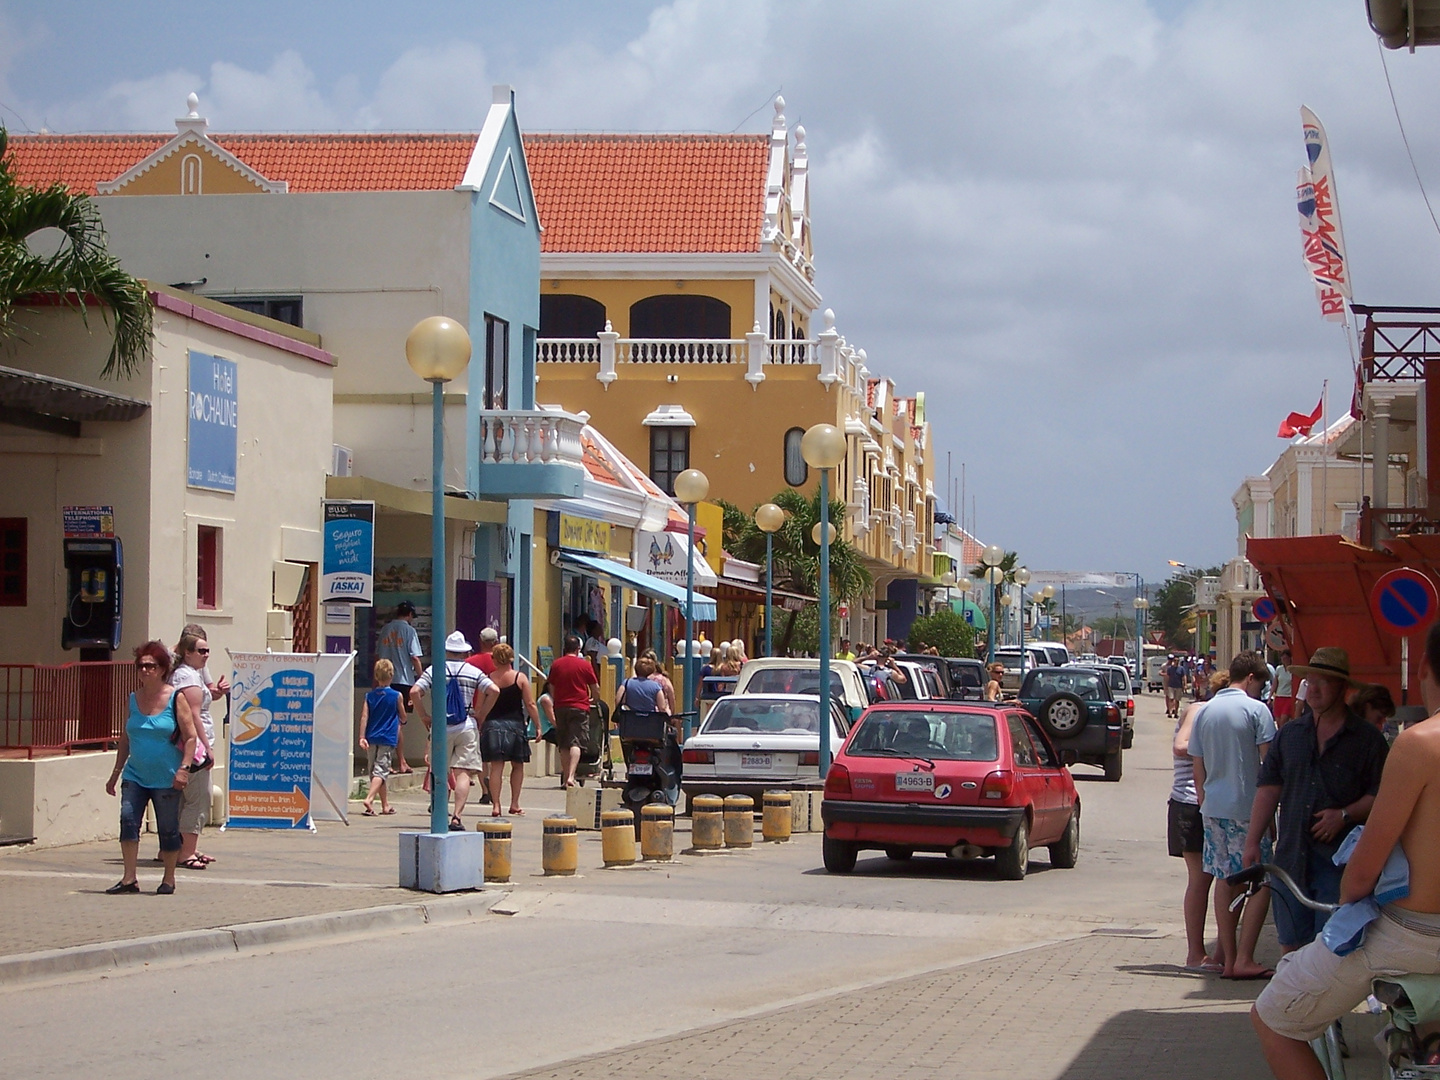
(680, 316)
(566, 315)
(796, 471)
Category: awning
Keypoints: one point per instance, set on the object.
(28, 399)
(642, 582)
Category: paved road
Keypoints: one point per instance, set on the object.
(756, 963)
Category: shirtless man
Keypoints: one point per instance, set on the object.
(1312, 986)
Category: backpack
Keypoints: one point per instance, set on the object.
(455, 708)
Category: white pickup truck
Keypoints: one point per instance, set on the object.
(781, 675)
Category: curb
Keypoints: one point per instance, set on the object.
(109, 956)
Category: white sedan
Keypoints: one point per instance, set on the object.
(753, 743)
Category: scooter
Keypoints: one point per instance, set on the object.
(652, 761)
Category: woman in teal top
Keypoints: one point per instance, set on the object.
(151, 763)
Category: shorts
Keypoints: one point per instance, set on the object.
(380, 759)
(1223, 850)
(572, 727)
(463, 743)
(195, 802)
(404, 691)
(1313, 987)
(503, 739)
(1282, 708)
(133, 799)
(1296, 924)
(1184, 828)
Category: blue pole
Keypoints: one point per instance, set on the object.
(439, 673)
(990, 629)
(769, 572)
(1021, 613)
(689, 680)
(824, 622)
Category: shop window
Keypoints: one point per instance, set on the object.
(796, 471)
(497, 363)
(286, 309)
(680, 316)
(565, 315)
(207, 567)
(669, 455)
(14, 561)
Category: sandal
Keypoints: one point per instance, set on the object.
(369, 812)
(194, 863)
(388, 811)
(206, 859)
(517, 811)
(457, 824)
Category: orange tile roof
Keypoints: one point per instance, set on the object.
(649, 193)
(78, 161)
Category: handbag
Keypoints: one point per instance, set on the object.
(426, 784)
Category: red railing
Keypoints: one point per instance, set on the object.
(64, 707)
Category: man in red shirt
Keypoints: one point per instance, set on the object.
(572, 687)
(482, 659)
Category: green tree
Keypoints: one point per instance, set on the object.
(1007, 564)
(80, 270)
(1172, 611)
(946, 630)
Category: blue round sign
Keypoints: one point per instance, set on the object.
(1264, 610)
(1403, 601)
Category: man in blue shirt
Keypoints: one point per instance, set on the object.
(400, 644)
(1227, 745)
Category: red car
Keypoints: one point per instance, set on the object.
(961, 778)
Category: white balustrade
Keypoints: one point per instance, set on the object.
(567, 350)
(530, 437)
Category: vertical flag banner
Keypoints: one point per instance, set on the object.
(1323, 239)
(347, 574)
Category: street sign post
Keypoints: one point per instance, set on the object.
(1403, 601)
(1264, 610)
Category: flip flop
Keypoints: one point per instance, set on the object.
(1259, 975)
(368, 812)
(1206, 969)
(206, 859)
(518, 812)
(387, 813)
(193, 863)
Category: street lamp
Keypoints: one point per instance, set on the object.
(1141, 607)
(768, 519)
(1047, 594)
(691, 487)
(991, 558)
(823, 448)
(1022, 578)
(438, 349)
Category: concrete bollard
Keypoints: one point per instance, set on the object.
(707, 822)
(497, 850)
(739, 821)
(657, 832)
(560, 853)
(617, 837)
(775, 822)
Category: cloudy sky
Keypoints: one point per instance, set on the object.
(1070, 223)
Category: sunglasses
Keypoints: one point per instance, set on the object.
(203, 652)
(148, 665)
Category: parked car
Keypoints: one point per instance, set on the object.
(1121, 689)
(753, 743)
(1076, 709)
(968, 780)
(1154, 680)
(1055, 653)
(922, 682)
(1010, 657)
(967, 679)
(782, 675)
(937, 665)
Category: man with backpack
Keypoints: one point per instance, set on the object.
(467, 688)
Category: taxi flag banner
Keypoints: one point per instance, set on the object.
(1323, 240)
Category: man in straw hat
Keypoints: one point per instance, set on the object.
(1313, 986)
(1323, 771)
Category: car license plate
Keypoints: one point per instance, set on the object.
(914, 781)
(755, 761)
(640, 770)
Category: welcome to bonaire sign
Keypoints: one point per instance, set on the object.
(212, 434)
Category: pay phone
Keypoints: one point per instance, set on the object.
(92, 594)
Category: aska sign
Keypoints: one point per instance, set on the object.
(1403, 601)
(213, 434)
(347, 574)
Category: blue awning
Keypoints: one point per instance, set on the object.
(642, 582)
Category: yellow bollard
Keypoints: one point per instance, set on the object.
(739, 821)
(497, 850)
(657, 831)
(775, 824)
(617, 837)
(707, 822)
(560, 852)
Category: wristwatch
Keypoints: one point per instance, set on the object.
(1344, 817)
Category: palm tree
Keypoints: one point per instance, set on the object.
(81, 270)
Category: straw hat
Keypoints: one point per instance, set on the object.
(1330, 662)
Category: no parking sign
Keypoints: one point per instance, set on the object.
(1264, 610)
(1403, 601)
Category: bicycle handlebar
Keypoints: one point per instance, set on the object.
(1253, 878)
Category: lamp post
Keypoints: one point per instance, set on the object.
(1046, 595)
(823, 448)
(691, 487)
(991, 558)
(1022, 578)
(438, 349)
(768, 519)
(1141, 607)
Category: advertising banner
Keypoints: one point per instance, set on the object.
(663, 554)
(212, 436)
(89, 522)
(348, 571)
(289, 740)
(1322, 237)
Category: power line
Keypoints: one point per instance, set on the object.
(1403, 137)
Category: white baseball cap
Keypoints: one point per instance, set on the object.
(456, 643)
(489, 635)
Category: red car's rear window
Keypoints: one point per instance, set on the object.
(949, 735)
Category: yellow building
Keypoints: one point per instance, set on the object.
(678, 310)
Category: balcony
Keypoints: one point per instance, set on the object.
(531, 454)
(755, 352)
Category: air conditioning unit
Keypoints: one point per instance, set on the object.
(279, 623)
(343, 463)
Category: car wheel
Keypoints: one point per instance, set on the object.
(839, 855)
(899, 854)
(1066, 852)
(1114, 766)
(1129, 739)
(1012, 862)
(1062, 715)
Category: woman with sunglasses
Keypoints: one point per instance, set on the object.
(151, 764)
(193, 653)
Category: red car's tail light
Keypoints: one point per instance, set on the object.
(810, 757)
(998, 785)
(698, 757)
(1112, 714)
(837, 780)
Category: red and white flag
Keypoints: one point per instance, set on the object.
(1324, 242)
(1297, 423)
